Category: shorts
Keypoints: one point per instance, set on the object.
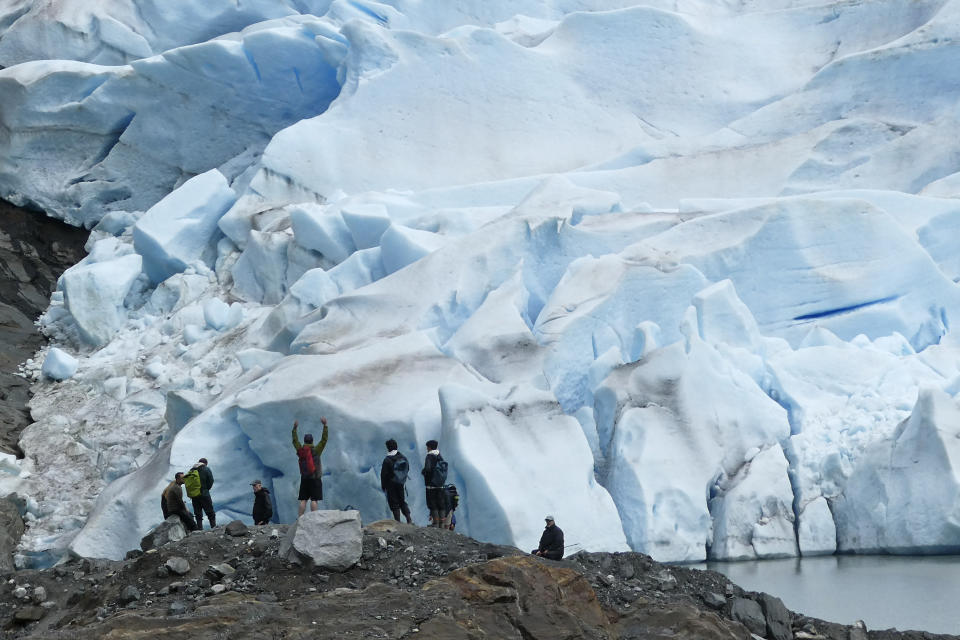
(310, 489)
(396, 497)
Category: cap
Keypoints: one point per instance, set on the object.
(257, 481)
(549, 518)
(203, 460)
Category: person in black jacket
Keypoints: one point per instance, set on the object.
(204, 503)
(436, 496)
(393, 475)
(262, 508)
(551, 542)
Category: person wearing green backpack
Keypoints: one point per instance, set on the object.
(203, 502)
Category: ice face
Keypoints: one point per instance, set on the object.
(683, 275)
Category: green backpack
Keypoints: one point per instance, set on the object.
(192, 482)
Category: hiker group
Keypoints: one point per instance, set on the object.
(198, 482)
(442, 497)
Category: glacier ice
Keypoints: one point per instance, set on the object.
(684, 272)
(59, 365)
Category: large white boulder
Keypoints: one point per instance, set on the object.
(327, 539)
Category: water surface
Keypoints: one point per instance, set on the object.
(905, 592)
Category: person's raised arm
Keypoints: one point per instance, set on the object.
(323, 439)
(296, 440)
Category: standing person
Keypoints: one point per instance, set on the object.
(393, 476)
(551, 542)
(434, 476)
(262, 508)
(204, 503)
(308, 455)
(173, 505)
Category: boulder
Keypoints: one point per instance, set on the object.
(714, 600)
(327, 539)
(11, 528)
(170, 530)
(178, 565)
(129, 594)
(236, 529)
(778, 618)
(748, 613)
(28, 614)
(219, 571)
(39, 595)
(507, 595)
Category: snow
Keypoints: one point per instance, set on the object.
(683, 273)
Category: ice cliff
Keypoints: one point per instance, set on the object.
(683, 274)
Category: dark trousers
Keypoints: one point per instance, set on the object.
(439, 504)
(186, 519)
(397, 501)
(201, 505)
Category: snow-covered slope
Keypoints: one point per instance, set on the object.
(682, 274)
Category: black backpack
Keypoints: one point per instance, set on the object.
(438, 476)
(453, 497)
(400, 469)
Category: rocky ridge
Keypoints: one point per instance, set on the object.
(34, 251)
(410, 582)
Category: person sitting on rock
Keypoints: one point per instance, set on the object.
(393, 476)
(172, 503)
(262, 508)
(551, 542)
(308, 455)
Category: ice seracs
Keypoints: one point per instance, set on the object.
(684, 276)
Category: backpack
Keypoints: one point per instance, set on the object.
(192, 482)
(307, 466)
(439, 474)
(400, 469)
(453, 497)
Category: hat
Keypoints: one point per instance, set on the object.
(203, 460)
(308, 438)
(257, 481)
(549, 518)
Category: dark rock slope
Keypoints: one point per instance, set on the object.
(34, 251)
(410, 583)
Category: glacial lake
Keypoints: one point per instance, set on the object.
(905, 592)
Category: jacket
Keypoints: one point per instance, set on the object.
(262, 508)
(428, 464)
(173, 499)
(206, 479)
(317, 449)
(386, 470)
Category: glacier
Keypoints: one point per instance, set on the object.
(681, 273)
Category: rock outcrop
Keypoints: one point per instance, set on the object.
(409, 582)
(34, 251)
